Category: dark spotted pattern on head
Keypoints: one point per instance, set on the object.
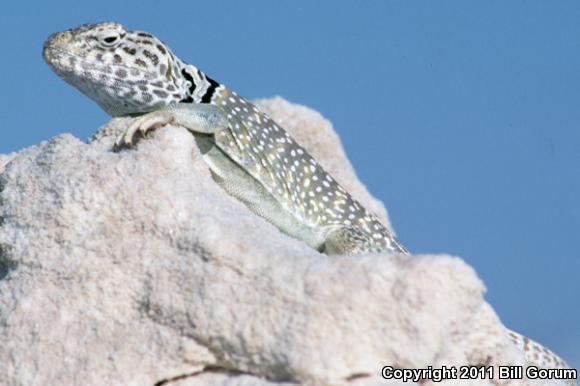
(121, 73)
(160, 94)
(130, 51)
(154, 58)
(141, 63)
(125, 72)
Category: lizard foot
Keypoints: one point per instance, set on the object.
(141, 126)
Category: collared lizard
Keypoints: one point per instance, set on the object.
(250, 156)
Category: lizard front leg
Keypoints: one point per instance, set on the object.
(197, 118)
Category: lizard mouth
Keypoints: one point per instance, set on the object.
(53, 56)
(65, 63)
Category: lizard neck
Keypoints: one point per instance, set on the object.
(200, 87)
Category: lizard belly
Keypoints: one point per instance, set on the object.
(242, 186)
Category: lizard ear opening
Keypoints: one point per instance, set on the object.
(169, 72)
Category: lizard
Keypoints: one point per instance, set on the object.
(250, 156)
(133, 73)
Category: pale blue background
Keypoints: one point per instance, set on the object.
(462, 116)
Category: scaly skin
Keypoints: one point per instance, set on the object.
(132, 73)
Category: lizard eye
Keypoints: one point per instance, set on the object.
(111, 39)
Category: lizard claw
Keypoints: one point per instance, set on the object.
(140, 127)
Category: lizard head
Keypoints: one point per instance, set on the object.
(125, 72)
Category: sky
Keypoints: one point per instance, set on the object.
(463, 117)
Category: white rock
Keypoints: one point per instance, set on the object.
(132, 268)
(4, 159)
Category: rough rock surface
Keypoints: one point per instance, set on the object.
(135, 268)
(4, 159)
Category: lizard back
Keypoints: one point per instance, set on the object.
(267, 152)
